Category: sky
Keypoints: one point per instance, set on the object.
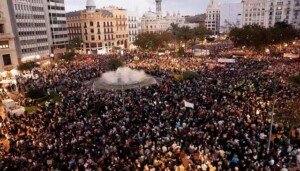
(185, 7)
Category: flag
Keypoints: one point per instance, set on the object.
(188, 104)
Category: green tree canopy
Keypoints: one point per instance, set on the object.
(201, 32)
(113, 64)
(180, 51)
(186, 34)
(35, 94)
(282, 32)
(258, 37)
(253, 36)
(69, 56)
(27, 66)
(74, 43)
(189, 75)
(153, 40)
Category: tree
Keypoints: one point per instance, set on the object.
(74, 43)
(210, 39)
(282, 32)
(185, 34)
(258, 37)
(189, 75)
(252, 36)
(295, 79)
(27, 66)
(69, 56)
(180, 51)
(201, 32)
(153, 40)
(113, 64)
(35, 94)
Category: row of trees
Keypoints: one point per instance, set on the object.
(153, 41)
(258, 37)
(175, 35)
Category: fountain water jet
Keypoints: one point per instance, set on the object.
(124, 78)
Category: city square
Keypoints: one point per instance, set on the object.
(110, 89)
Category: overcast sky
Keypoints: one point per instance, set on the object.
(185, 7)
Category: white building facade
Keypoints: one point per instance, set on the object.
(30, 28)
(57, 23)
(281, 11)
(133, 28)
(230, 16)
(267, 12)
(212, 20)
(156, 22)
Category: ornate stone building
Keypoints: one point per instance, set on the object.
(99, 29)
(8, 53)
(212, 21)
(155, 21)
(133, 28)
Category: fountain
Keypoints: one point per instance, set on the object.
(124, 78)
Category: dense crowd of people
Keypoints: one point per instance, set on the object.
(228, 128)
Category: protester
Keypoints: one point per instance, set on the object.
(90, 130)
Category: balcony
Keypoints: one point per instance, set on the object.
(6, 35)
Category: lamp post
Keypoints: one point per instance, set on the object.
(51, 56)
(271, 126)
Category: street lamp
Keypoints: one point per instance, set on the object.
(52, 55)
(285, 45)
(271, 126)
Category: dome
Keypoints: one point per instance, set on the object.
(149, 15)
(90, 3)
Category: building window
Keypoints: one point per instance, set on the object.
(6, 59)
(4, 44)
(1, 28)
(91, 24)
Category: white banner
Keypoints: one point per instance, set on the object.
(225, 60)
(291, 55)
